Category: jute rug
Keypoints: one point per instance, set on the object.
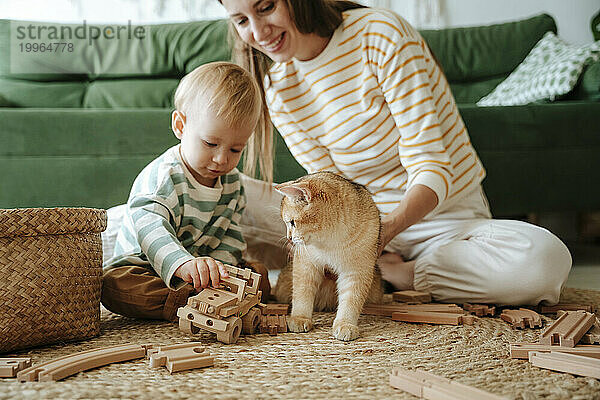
(312, 365)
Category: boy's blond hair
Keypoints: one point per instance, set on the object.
(232, 95)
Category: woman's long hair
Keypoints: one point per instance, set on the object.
(320, 17)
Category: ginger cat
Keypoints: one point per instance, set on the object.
(334, 227)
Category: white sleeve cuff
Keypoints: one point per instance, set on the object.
(436, 181)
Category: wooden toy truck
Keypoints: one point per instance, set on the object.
(227, 310)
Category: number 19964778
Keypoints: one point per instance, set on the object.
(51, 47)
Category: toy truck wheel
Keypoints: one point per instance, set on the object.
(232, 334)
(187, 326)
(250, 321)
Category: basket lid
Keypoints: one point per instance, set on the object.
(51, 221)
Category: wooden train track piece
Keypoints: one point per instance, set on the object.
(10, 366)
(522, 350)
(563, 362)
(433, 318)
(389, 308)
(480, 310)
(180, 357)
(568, 329)
(429, 386)
(567, 307)
(411, 296)
(65, 366)
(521, 318)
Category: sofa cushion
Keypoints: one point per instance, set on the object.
(478, 53)
(128, 93)
(22, 93)
(550, 70)
(167, 50)
(589, 84)
(4, 102)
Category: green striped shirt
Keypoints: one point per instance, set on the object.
(171, 219)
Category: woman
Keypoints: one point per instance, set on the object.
(357, 91)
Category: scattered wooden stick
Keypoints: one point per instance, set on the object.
(566, 307)
(274, 309)
(433, 318)
(563, 362)
(568, 329)
(429, 386)
(521, 350)
(412, 296)
(388, 309)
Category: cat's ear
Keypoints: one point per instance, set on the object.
(295, 191)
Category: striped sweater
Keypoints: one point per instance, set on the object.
(375, 108)
(171, 219)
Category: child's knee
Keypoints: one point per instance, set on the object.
(137, 292)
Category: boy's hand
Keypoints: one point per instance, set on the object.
(202, 270)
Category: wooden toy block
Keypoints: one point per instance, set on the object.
(566, 307)
(480, 310)
(228, 330)
(252, 278)
(572, 364)
(212, 301)
(521, 318)
(388, 309)
(10, 366)
(593, 335)
(180, 357)
(250, 301)
(274, 309)
(63, 367)
(234, 285)
(433, 318)
(412, 296)
(220, 310)
(521, 350)
(568, 329)
(282, 324)
(273, 324)
(425, 385)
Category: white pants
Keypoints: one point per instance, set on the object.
(462, 255)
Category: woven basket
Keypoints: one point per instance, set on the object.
(50, 275)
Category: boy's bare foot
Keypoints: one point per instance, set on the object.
(396, 271)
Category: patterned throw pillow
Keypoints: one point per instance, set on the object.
(551, 69)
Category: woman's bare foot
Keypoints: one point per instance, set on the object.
(396, 271)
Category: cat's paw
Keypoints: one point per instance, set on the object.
(343, 330)
(299, 324)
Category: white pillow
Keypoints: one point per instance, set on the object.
(551, 69)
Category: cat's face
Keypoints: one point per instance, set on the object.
(300, 212)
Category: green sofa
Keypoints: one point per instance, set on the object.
(79, 138)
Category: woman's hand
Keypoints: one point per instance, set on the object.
(418, 202)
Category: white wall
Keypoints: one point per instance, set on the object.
(573, 17)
